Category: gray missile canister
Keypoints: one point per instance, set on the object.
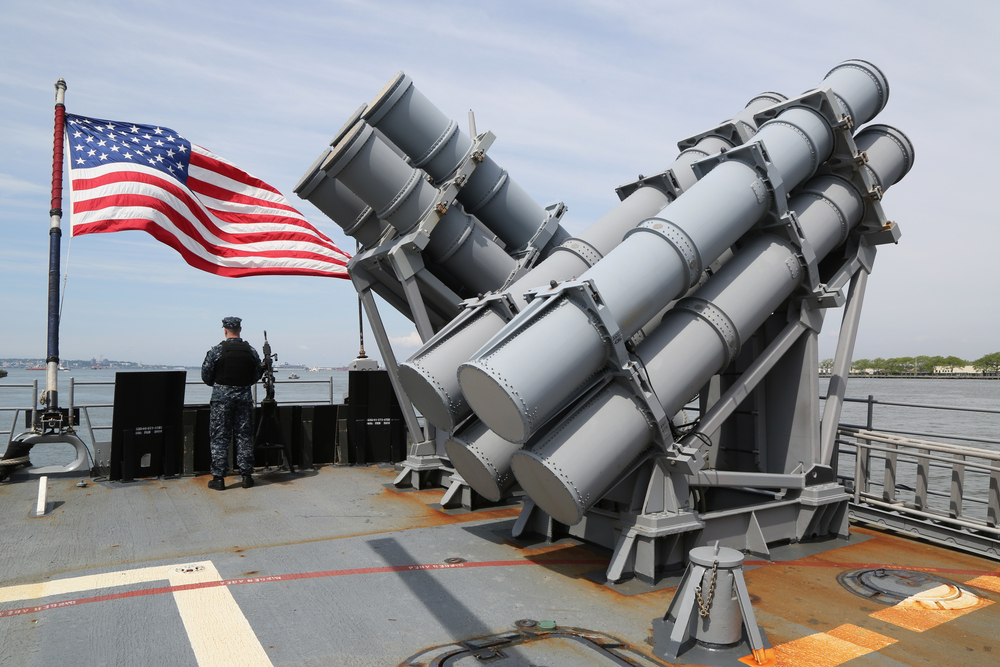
(435, 144)
(430, 376)
(458, 249)
(340, 204)
(547, 357)
(582, 454)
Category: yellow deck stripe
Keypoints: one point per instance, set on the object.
(829, 649)
(218, 631)
(990, 583)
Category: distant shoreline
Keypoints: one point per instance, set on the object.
(941, 376)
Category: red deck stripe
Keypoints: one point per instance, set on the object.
(288, 577)
(870, 566)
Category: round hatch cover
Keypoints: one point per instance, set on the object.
(888, 586)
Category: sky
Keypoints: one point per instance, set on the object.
(582, 97)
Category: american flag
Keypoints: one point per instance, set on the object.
(126, 176)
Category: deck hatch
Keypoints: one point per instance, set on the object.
(890, 587)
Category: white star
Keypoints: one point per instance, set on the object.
(110, 126)
(89, 138)
(135, 140)
(158, 131)
(79, 147)
(170, 152)
(102, 142)
(170, 169)
(158, 142)
(135, 129)
(182, 148)
(159, 158)
(127, 155)
(77, 134)
(114, 148)
(104, 156)
(152, 162)
(146, 136)
(111, 136)
(80, 160)
(147, 148)
(91, 153)
(170, 137)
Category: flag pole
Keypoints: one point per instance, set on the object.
(55, 237)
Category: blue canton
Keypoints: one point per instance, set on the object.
(93, 142)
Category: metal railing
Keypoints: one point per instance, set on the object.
(909, 481)
(87, 424)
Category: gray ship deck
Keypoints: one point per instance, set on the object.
(334, 567)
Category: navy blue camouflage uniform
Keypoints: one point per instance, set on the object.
(231, 415)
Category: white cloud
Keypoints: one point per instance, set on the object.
(410, 341)
(11, 185)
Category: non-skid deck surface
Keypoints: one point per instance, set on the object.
(336, 568)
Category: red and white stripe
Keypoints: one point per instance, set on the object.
(224, 221)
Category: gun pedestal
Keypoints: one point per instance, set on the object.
(268, 435)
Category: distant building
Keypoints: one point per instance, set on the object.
(957, 370)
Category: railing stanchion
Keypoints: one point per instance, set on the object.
(923, 478)
(993, 508)
(889, 485)
(957, 487)
(72, 387)
(857, 471)
(34, 405)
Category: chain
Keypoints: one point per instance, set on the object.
(705, 605)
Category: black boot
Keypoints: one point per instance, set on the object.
(218, 483)
(247, 481)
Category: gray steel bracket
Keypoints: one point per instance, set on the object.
(553, 216)
(847, 161)
(860, 255)
(665, 182)
(733, 132)
(529, 254)
(499, 302)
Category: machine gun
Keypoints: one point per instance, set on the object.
(268, 363)
(268, 435)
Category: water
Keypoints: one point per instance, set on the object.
(96, 388)
(971, 429)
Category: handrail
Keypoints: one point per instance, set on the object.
(885, 436)
(926, 406)
(919, 516)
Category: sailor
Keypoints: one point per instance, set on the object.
(231, 368)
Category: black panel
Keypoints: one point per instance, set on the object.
(324, 438)
(147, 424)
(374, 420)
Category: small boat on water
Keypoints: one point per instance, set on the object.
(293, 376)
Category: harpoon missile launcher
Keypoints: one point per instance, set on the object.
(702, 294)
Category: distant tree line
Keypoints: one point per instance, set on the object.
(988, 363)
